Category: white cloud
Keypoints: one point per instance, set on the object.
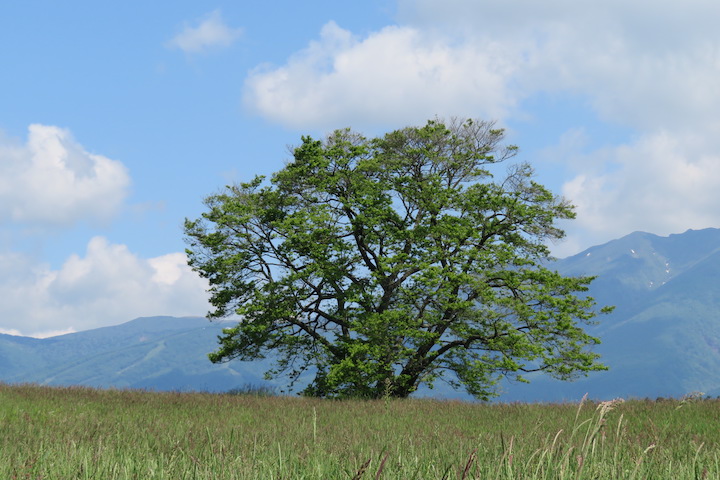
(396, 75)
(53, 180)
(41, 334)
(11, 331)
(662, 183)
(211, 32)
(107, 286)
(645, 64)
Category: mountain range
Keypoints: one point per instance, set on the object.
(662, 339)
(157, 353)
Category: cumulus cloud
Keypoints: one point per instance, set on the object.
(211, 32)
(52, 179)
(107, 286)
(662, 183)
(393, 76)
(662, 56)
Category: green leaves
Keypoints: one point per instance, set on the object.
(384, 263)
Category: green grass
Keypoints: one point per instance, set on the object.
(79, 433)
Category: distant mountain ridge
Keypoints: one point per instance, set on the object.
(159, 353)
(663, 339)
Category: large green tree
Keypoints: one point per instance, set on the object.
(381, 264)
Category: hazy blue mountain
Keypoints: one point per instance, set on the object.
(160, 353)
(663, 339)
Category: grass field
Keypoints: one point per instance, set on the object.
(79, 433)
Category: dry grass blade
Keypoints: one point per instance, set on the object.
(362, 470)
(469, 463)
(382, 466)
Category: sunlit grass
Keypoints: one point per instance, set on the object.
(69, 433)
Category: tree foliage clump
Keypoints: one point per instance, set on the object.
(380, 264)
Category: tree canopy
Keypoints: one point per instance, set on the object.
(380, 264)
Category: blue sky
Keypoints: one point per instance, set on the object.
(117, 119)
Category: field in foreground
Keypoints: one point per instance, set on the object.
(78, 433)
